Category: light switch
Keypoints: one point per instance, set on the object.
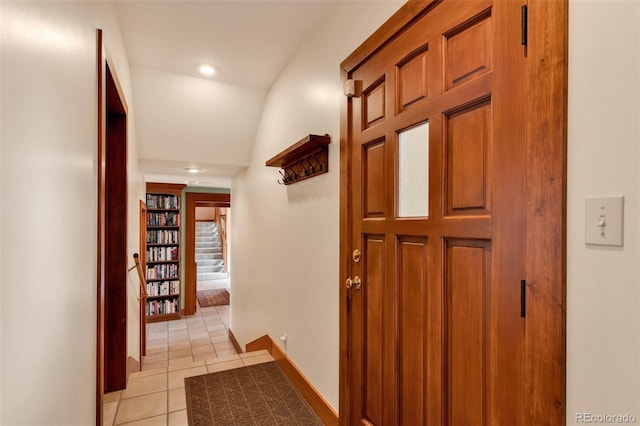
(604, 221)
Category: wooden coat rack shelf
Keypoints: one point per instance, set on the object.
(306, 158)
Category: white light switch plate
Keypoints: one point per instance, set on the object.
(604, 221)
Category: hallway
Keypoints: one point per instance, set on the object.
(191, 346)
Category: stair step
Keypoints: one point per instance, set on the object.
(209, 262)
(209, 250)
(212, 276)
(209, 244)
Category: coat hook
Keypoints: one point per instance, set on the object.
(284, 177)
(306, 172)
(311, 168)
(318, 161)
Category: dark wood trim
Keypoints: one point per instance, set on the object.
(261, 343)
(193, 199)
(409, 12)
(235, 343)
(320, 405)
(165, 188)
(547, 61)
(100, 166)
(345, 271)
(164, 317)
(116, 215)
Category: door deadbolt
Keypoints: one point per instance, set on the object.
(356, 255)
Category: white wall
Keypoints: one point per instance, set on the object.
(603, 289)
(285, 239)
(48, 265)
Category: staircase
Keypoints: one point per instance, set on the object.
(209, 252)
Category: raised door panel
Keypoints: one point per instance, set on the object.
(412, 79)
(414, 315)
(466, 304)
(373, 297)
(467, 152)
(468, 50)
(373, 103)
(373, 158)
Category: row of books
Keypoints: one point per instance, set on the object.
(158, 236)
(163, 219)
(162, 201)
(163, 288)
(162, 254)
(161, 307)
(169, 270)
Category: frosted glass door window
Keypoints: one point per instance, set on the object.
(413, 172)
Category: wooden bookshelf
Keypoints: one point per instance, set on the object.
(162, 254)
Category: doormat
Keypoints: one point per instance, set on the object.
(255, 395)
(215, 297)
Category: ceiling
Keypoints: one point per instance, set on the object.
(184, 119)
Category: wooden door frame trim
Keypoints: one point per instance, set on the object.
(101, 172)
(103, 59)
(546, 109)
(546, 112)
(192, 199)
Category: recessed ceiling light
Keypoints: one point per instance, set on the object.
(193, 169)
(206, 69)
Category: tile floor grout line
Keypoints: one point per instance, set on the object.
(212, 323)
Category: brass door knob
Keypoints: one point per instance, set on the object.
(349, 283)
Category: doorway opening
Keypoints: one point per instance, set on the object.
(212, 247)
(206, 245)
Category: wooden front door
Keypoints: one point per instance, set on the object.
(435, 188)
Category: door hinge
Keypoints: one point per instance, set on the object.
(525, 25)
(523, 298)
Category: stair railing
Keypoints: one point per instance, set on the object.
(143, 282)
(221, 222)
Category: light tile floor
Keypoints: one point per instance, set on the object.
(191, 346)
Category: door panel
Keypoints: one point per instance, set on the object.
(413, 310)
(434, 333)
(412, 78)
(468, 136)
(374, 179)
(467, 278)
(468, 50)
(374, 344)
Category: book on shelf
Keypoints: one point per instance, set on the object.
(163, 219)
(163, 288)
(162, 254)
(169, 270)
(158, 236)
(162, 201)
(163, 307)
